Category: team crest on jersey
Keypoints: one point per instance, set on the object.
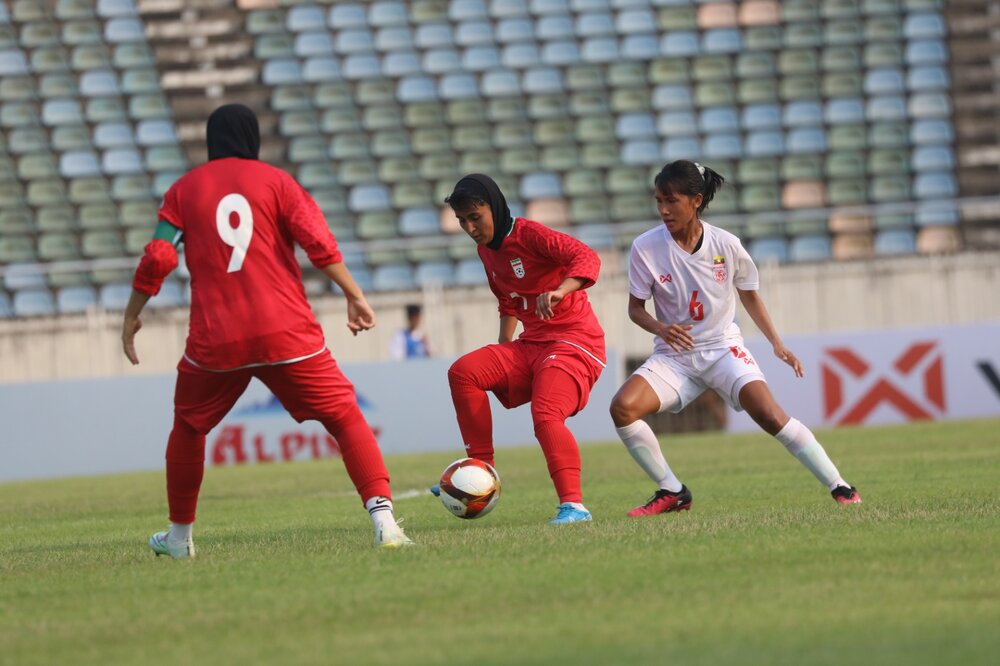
(719, 263)
(518, 267)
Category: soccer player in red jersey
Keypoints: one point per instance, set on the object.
(239, 218)
(538, 276)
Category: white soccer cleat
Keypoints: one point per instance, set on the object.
(160, 545)
(391, 536)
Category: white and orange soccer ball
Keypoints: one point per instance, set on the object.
(470, 488)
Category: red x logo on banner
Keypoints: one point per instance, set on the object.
(883, 390)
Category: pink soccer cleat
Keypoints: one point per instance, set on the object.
(664, 501)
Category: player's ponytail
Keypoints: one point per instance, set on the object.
(690, 179)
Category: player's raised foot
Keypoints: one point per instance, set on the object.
(161, 545)
(436, 490)
(391, 536)
(846, 495)
(568, 513)
(664, 501)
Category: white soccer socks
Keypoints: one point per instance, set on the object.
(644, 448)
(801, 443)
(388, 533)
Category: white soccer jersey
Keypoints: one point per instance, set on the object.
(697, 289)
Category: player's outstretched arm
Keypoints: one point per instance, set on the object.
(754, 305)
(132, 323)
(675, 335)
(360, 316)
(508, 326)
(546, 302)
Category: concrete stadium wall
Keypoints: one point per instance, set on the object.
(803, 299)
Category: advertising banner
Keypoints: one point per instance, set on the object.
(890, 376)
(67, 428)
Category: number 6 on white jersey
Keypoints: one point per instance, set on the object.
(239, 237)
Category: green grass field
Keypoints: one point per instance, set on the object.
(765, 569)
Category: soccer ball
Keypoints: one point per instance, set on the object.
(470, 488)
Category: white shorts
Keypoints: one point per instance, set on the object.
(726, 370)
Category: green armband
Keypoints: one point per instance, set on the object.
(168, 232)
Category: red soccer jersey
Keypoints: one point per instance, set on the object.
(534, 259)
(248, 305)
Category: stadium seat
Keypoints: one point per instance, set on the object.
(923, 79)
(354, 41)
(757, 170)
(803, 114)
(115, 296)
(672, 97)
(434, 273)
(933, 158)
(891, 107)
(540, 185)
(395, 38)
(75, 299)
(681, 148)
(641, 47)
(889, 188)
(680, 44)
(470, 272)
(554, 27)
(926, 52)
(769, 250)
(936, 213)
(809, 249)
(6, 309)
(635, 20)
(895, 241)
(23, 276)
(924, 26)
(33, 303)
(929, 105)
(171, 296)
(756, 91)
(935, 186)
(393, 277)
(590, 209)
(124, 30)
(100, 215)
(844, 110)
(722, 146)
(676, 123)
(719, 119)
(458, 86)
(765, 143)
(937, 240)
(515, 29)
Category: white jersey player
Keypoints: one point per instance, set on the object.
(694, 272)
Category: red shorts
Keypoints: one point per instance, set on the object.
(522, 361)
(311, 389)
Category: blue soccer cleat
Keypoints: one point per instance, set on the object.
(567, 513)
(436, 490)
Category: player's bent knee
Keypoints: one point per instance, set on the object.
(625, 411)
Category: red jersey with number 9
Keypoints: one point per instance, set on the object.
(240, 219)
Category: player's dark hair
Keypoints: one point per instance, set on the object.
(689, 178)
(412, 310)
(463, 197)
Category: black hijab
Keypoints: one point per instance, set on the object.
(486, 188)
(233, 132)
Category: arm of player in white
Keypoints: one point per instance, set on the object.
(675, 335)
(754, 305)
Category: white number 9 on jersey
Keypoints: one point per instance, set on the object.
(237, 237)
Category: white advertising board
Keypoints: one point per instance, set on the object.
(889, 376)
(53, 429)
